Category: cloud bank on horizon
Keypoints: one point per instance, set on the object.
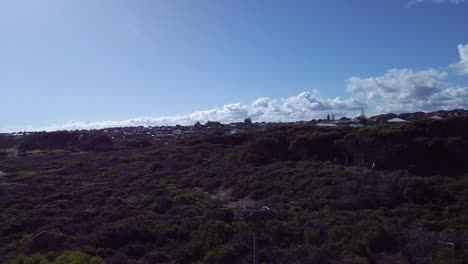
(398, 90)
(304, 106)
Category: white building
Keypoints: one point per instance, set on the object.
(396, 120)
(326, 125)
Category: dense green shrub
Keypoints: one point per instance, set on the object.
(387, 194)
(67, 257)
(221, 255)
(185, 198)
(139, 143)
(47, 241)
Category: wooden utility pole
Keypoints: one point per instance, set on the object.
(254, 217)
(255, 254)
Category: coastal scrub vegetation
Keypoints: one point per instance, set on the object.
(384, 194)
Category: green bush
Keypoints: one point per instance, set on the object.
(185, 198)
(67, 257)
(77, 257)
(257, 185)
(446, 256)
(34, 259)
(221, 255)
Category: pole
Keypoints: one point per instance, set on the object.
(255, 257)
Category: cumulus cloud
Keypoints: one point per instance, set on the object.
(406, 90)
(397, 91)
(462, 66)
(415, 2)
(304, 106)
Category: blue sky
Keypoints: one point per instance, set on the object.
(101, 63)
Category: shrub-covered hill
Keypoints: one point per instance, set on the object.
(386, 194)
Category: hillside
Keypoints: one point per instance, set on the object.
(383, 194)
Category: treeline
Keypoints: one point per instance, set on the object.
(423, 147)
(7, 141)
(65, 140)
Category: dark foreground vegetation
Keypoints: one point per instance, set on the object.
(385, 194)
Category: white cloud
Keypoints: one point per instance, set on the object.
(304, 106)
(406, 90)
(415, 2)
(398, 90)
(462, 66)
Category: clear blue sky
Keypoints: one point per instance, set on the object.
(92, 60)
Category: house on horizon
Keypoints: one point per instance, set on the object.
(436, 117)
(396, 120)
(327, 125)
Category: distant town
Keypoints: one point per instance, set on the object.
(163, 133)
